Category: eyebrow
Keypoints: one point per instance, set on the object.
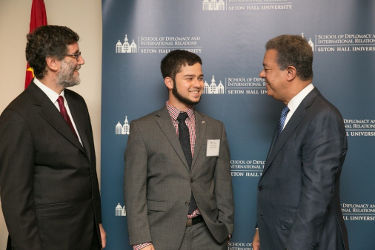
(192, 75)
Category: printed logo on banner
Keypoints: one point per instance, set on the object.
(213, 5)
(120, 210)
(159, 44)
(358, 211)
(311, 43)
(359, 127)
(345, 42)
(126, 47)
(246, 168)
(236, 86)
(213, 88)
(122, 129)
(233, 245)
(246, 5)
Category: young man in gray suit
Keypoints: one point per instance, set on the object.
(298, 193)
(48, 183)
(178, 189)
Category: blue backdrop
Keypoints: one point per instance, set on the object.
(230, 36)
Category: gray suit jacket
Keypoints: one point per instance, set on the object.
(158, 181)
(298, 198)
(48, 183)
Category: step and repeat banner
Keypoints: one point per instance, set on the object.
(230, 35)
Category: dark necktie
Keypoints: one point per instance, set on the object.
(284, 113)
(184, 137)
(64, 114)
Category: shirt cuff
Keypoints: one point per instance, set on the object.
(140, 246)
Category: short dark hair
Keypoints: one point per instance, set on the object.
(174, 60)
(293, 50)
(49, 40)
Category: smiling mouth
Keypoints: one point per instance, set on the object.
(195, 91)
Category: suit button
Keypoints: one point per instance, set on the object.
(260, 188)
(187, 203)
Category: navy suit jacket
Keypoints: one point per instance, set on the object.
(298, 193)
(48, 182)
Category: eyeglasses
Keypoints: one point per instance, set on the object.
(75, 55)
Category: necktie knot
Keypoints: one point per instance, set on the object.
(182, 117)
(284, 113)
(60, 100)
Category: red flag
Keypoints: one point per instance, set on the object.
(38, 18)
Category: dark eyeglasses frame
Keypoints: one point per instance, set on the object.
(75, 55)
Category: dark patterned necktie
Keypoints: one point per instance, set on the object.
(64, 114)
(284, 113)
(184, 137)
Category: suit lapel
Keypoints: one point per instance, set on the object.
(274, 139)
(200, 132)
(51, 114)
(286, 134)
(164, 121)
(78, 113)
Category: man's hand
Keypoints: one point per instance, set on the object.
(103, 236)
(256, 241)
(150, 247)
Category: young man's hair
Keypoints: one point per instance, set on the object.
(174, 60)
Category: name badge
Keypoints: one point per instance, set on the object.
(213, 147)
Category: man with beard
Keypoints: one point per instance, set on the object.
(48, 182)
(178, 189)
(299, 191)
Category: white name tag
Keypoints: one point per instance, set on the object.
(213, 147)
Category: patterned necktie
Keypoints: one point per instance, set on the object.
(64, 114)
(184, 137)
(284, 113)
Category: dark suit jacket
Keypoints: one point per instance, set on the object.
(298, 198)
(48, 182)
(158, 181)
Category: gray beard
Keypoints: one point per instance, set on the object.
(66, 84)
(65, 78)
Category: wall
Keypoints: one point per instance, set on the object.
(84, 17)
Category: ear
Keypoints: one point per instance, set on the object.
(168, 81)
(291, 73)
(52, 63)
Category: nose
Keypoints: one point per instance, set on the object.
(198, 82)
(81, 61)
(262, 74)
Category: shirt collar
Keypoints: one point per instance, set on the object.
(52, 95)
(297, 99)
(174, 112)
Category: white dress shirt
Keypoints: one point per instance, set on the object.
(296, 101)
(53, 96)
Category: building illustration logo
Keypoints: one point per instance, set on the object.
(311, 43)
(126, 47)
(213, 5)
(120, 210)
(123, 129)
(213, 88)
